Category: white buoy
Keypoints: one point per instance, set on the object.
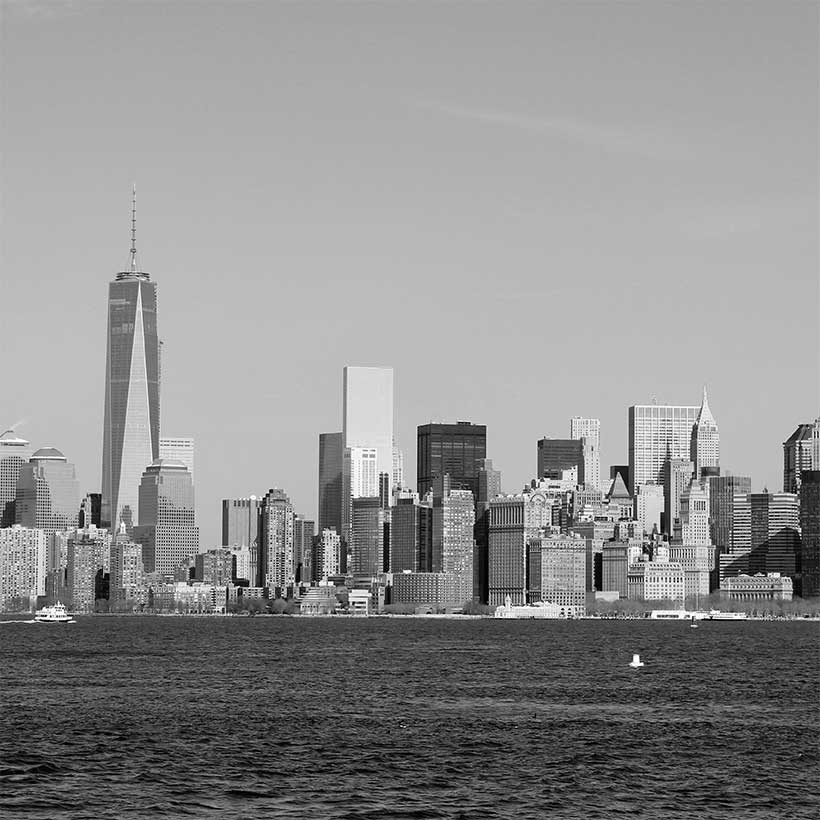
(636, 662)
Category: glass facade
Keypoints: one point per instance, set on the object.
(132, 376)
(454, 449)
(14, 453)
(48, 493)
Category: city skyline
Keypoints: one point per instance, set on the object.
(528, 206)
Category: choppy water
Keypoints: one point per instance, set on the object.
(407, 718)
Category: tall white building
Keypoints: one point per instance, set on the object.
(367, 433)
(649, 506)
(398, 468)
(179, 449)
(694, 514)
(590, 430)
(704, 447)
(329, 555)
(368, 412)
(22, 567)
(658, 432)
(360, 479)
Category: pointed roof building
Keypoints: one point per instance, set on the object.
(704, 448)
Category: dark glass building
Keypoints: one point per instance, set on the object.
(810, 526)
(557, 454)
(331, 453)
(455, 449)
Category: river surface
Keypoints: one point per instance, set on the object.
(277, 717)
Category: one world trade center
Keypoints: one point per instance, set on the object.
(132, 374)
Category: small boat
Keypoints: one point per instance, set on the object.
(53, 615)
(637, 663)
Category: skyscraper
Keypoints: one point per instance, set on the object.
(179, 449)
(589, 429)
(704, 446)
(489, 486)
(367, 537)
(810, 532)
(677, 473)
(167, 528)
(277, 569)
(558, 454)
(304, 531)
(797, 456)
(360, 479)
(132, 374)
(368, 412)
(14, 453)
(48, 493)
(656, 433)
(453, 537)
(775, 537)
(722, 492)
(455, 449)
(331, 458)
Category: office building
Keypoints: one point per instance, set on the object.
(658, 433)
(616, 558)
(368, 412)
(367, 537)
(360, 479)
(656, 581)
(90, 510)
(132, 375)
(698, 562)
(815, 444)
(649, 507)
(513, 521)
(304, 531)
(557, 573)
(694, 514)
(722, 492)
(405, 540)
(331, 458)
(589, 429)
(775, 537)
(48, 493)
(398, 468)
(676, 477)
(240, 530)
(179, 449)
(276, 565)
(14, 453)
(704, 448)
(810, 533)
(453, 536)
(167, 528)
(455, 449)
(22, 567)
(430, 591)
(797, 456)
(555, 455)
(489, 486)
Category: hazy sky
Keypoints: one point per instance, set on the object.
(530, 210)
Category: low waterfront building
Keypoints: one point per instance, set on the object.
(358, 601)
(320, 600)
(542, 609)
(440, 590)
(769, 587)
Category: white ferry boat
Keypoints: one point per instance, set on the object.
(717, 615)
(53, 615)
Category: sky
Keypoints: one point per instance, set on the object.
(529, 210)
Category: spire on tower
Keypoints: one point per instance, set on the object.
(134, 228)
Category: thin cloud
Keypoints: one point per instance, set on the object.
(634, 142)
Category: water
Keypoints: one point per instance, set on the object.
(407, 718)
